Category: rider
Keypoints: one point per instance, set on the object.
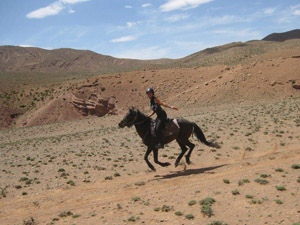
(155, 105)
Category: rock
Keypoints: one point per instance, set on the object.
(273, 83)
(296, 86)
(98, 107)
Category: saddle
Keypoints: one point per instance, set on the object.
(171, 127)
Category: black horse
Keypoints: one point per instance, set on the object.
(142, 124)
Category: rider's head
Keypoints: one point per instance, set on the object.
(150, 92)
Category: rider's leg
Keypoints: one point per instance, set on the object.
(159, 127)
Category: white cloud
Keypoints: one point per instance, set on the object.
(128, 6)
(182, 4)
(295, 6)
(132, 24)
(245, 33)
(73, 1)
(53, 9)
(26, 46)
(124, 39)
(297, 12)
(269, 11)
(153, 52)
(146, 5)
(177, 17)
(50, 10)
(71, 11)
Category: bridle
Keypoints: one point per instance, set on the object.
(138, 123)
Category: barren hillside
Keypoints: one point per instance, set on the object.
(64, 160)
(29, 59)
(293, 34)
(272, 76)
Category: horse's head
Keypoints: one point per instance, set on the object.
(129, 118)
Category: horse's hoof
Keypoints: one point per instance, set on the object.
(176, 164)
(166, 164)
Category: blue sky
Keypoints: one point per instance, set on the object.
(142, 29)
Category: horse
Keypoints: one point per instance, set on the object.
(142, 124)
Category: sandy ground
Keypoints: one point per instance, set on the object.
(90, 171)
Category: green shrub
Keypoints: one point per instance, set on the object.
(178, 213)
(280, 188)
(226, 181)
(261, 181)
(250, 196)
(207, 201)
(189, 216)
(193, 202)
(296, 166)
(217, 223)
(235, 192)
(206, 210)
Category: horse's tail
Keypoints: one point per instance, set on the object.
(200, 136)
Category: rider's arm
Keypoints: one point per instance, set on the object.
(163, 104)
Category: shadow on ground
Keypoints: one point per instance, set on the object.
(188, 172)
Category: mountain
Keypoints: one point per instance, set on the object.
(235, 53)
(30, 59)
(293, 34)
(69, 61)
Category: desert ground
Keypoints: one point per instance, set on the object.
(61, 167)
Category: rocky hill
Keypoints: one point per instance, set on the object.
(293, 34)
(20, 59)
(233, 73)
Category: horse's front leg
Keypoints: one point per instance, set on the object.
(149, 150)
(155, 155)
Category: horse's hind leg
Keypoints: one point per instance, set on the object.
(188, 155)
(183, 151)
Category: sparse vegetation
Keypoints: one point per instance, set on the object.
(206, 209)
(178, 213)
(189, 216)
(192, 202)
(280, 188)
(217, 223)
(296, 166)
(261, 181)
(226, 181)
(40, 161)
(235, 192)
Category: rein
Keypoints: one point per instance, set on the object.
(139, 122)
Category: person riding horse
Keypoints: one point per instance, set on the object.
(155, 105)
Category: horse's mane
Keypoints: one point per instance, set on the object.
(142, 114)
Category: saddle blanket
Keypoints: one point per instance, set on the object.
(171, 127)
